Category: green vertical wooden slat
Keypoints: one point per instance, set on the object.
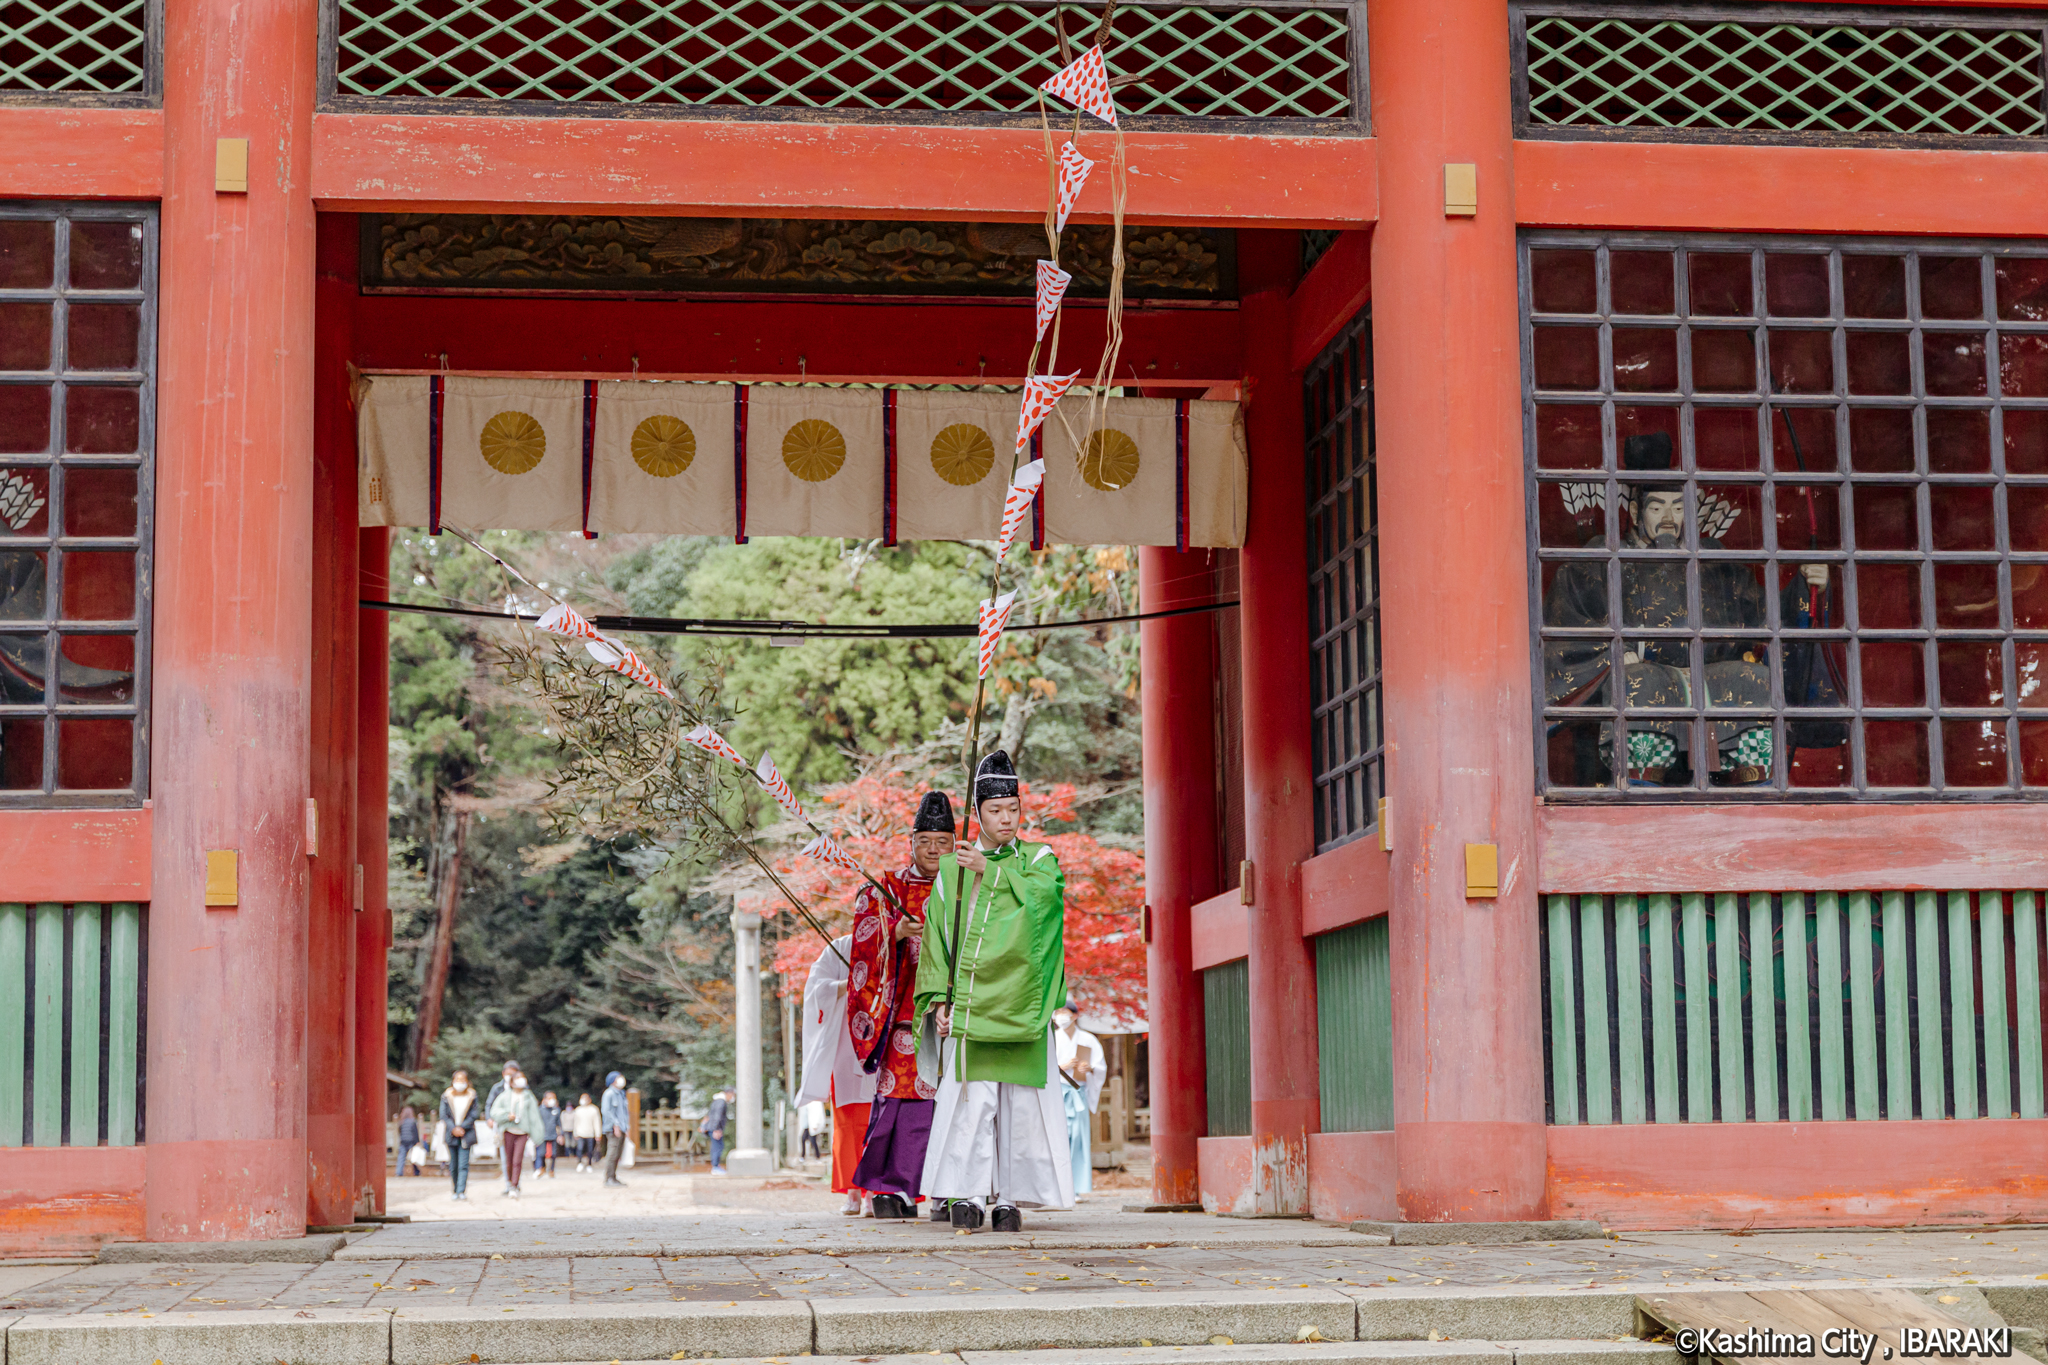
(1898, 1030)
(1927, 1003)
(1628, 1010)
(1962, 998)
(1997, 1036)
(1354, 1022)
(2026, 969)
(84, 1126)
(1728, 1007)
(46, 1121)
(13, 1020)
(1663, 1012)
(1827, 938)
(1593, 990)
(1564, 1042)
(124, 1015)
(1699, 1025)
(1763, 1008)
(1798, 1013)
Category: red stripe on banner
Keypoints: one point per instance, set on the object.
(1038, 498)
(589, 449)
(888, 466)
(739, 463)
(1180, 474)
(434, 392)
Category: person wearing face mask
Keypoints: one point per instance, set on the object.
(459, 1105)
(1657, 670)
(517, 1114)
(991, 970)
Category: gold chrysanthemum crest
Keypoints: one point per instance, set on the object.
(512, 443)
(813, 450)
(664, 446)
(1109, 462)
(963, 454)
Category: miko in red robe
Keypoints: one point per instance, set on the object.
(881, 1015)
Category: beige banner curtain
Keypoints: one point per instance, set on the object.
(393, 461)
(814, 462)
(953, 453)
(512, 454)
(662, 459)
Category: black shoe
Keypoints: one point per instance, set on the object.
(939, 1210)
(966, 1214)
(1007, 1219)
(892, 1206)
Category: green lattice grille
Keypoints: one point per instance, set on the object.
(1639, 72)
(79, 46)
(828, 54)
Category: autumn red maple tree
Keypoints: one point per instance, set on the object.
(872, 815)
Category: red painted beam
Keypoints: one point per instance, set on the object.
(776, 337)
(1659, 186)
(1646, 849)
(1329, 296)
(498, 164)
(1344, 886)
(1801, 1175)
(1220, 930)
(75, 855)
(72, 153)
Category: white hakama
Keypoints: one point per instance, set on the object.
(1000, 1142)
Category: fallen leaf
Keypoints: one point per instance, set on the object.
(1948, 1298)
(1434, 1335)
(1308, 1332)
(1142, 1341)
(1220, 1340)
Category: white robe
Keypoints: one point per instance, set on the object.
(1006, 1143)
(1098, 1067)
(831, 1070)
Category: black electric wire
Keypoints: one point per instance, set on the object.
(790, 630)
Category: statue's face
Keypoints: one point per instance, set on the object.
(927, 847)
(1000, 816)
(1661, 512)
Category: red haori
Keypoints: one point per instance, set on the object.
(1042, 392)
(709, 740)
(1052, 287)
(1074, 170)
(1084, 83)
(879, 987)
(1016, 502)
(993, 616)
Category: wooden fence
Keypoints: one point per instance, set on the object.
(71, 1024)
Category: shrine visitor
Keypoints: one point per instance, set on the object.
(459, 1104)
(550, 1135)
(1082, 1060)
(613, 1110)
(517, 1114)
(882, 1015)
(991, 972)
(713, 1128)
(584, 1128)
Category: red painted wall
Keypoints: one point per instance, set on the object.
(57, 1201)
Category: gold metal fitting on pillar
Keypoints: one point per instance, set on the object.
(231, 165)
(1245, 883)
(1461, 190)
(1482, 872)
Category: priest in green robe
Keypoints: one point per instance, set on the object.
(991, 970)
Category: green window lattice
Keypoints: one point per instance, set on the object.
(84, 47)
(902, 55)
(1632, 69)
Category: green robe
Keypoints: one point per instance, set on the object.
(1013, 970)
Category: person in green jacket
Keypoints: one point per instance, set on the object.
(517, 1114)
(999, 1129)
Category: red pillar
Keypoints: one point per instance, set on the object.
(226, 1148)
(373, 924)
(1178, 666)
(331, 997)
(1468, 1066)
(1279, 816)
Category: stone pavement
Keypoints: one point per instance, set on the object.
(728, 1278)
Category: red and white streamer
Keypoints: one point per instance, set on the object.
(1074, 170)
(711, 742)
(1084, 83)
(1052, 287)
(1042, 392)
(826, 850)
(1017, 502)
(994, 615)
(620, 659)
(563, 619)
(772, 782)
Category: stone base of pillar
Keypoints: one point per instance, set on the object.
(750, 1161)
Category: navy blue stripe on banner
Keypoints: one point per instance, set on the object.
(589, 449)
(888, 466)
(1038, 498)
(1180, 474)
(739, 464)
(434, 396)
